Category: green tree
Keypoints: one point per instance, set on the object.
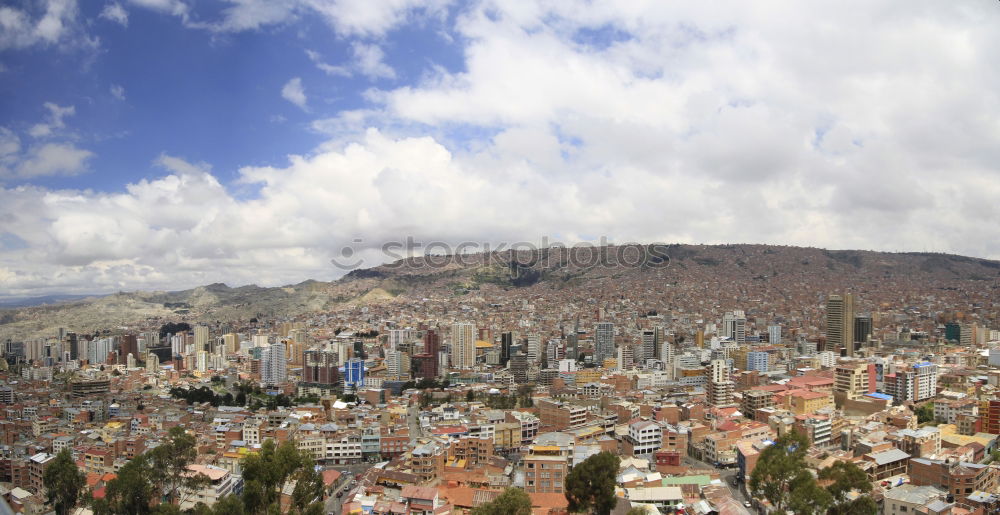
(228, 505)
(848, 477)
(130, 492)
(806, 497)
(778, 466)
(513, 501)
(169, 463)
(925, 412)
(63, 482)
(590, 486)
(266, 472)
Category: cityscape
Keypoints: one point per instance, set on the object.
(499, 257)
(442, 398)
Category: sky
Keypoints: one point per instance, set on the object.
(164, 144)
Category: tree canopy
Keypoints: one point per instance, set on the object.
(63, 482)
(513, 501)
(777, 467)
(781, 477)
(590, 486)
(266, 472)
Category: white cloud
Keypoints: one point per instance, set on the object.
(54, 120)
(56, 23)
(369, 61)
(361, 18)
(876, 128)
(367, 18)
(325, 67)
(173, 7)
(10, 145)
(53, 159)
(118, 92)
(116, 13)
(293, 92)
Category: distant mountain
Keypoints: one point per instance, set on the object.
(23, 302)
(768, 268)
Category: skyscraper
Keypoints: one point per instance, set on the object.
(506, 341)
(463, 345)
(840, 323)
(534, 346)
(650, 338)
(319, 368)
(774, 334)
(604, 342)
(425, 365)
(129, 345)
(862, 330)
(720, 387)
(201, 338)
(734, 326)
(354, 373)
(274, 364)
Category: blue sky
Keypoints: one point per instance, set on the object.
(206, 96)
(162, 144)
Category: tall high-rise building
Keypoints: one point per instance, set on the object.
(396, 364)
(774, 334)
(401, 338)
(840, 323)
(720, 386)
(232, 343)
(463, 345)
(862, 330)
(129, 345)
(432, 342)
(650, 338)
(201, 340)
(319, 368)
(759, 361)
(604, 342)
(274, 364)
(852, 379)
(74, 346)
(554, 352)
(734, 326)
(534, 347)
(425, 365)
(354, 373)
(506, 341)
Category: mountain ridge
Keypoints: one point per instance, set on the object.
(509, 271)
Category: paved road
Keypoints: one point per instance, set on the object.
(727, 475)
(413, 421)
(334, 504)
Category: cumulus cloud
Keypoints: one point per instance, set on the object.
(640, 121)
(173, 7)
(369, 60)
(116, 13)
(355, 18)
(293, 92)
(55, 23)
(53, 159)
(54, 120)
